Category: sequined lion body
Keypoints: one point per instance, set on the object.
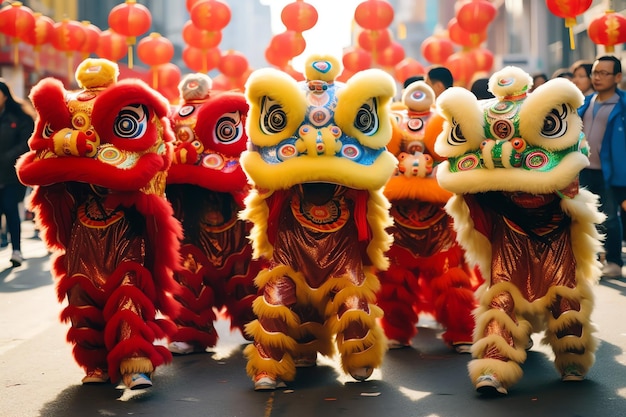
(98, 161)
(513, 164)
(318, 163)
(428, 273)
(206, 186)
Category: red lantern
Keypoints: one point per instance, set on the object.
(568, 10)
(464, 38)
(374, 40)
(131, 20)
(475, 16)
(155, 50)
(436, 50)
(608, 30)
(201, 60)
(356, 59)
(299, 16)
(41, 34)
(462, 67)
(92, 38)
(406, 68)
(69, 37)
(233, 64)
(18, 22)
(483, 59)
(275, 58)
(190, 3)
(391, 55)
(111, 46)
(374, 14)
(288, 44)
(211, 15)
(200, 38)
(165, 79)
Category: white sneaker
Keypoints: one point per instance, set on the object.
(463, 347)
(137, 381)
(489, 385)
(361, 374)
(16, 258)
(611, 270)
(181, 348)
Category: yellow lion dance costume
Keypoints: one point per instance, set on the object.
(513, 164)
(318, 163)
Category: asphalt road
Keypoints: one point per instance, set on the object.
(39, 377)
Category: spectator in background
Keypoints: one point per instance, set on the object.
(17, 122)
(582, 76)
(411, 80)
(604, 126)
(562, 73)
(538, 79)
(480, 88)
(439, 79)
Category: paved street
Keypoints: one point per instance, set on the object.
(38, 376)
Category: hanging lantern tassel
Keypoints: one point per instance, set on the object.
(570, 22)
(130, 41)
(16, 51)
(155, 78)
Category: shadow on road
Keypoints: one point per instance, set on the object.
(427, 380)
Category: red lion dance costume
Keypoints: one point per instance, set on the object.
(206, 187)
(513, 164)
(98, 161)
(427, 272)
(318, 163)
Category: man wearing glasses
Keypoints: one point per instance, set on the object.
(604, 125)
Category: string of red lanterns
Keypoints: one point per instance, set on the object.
(131, 20)
(297, 17)
(374, 43)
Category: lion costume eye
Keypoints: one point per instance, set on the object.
(456, 135)
(273, 118)
(131, 122)
(229, 128)
(554, 125)
(47, 131)
(366, 119)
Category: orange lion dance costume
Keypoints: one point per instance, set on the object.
(513, 164)
(427, 272)
(207, 186)
(318, 163)
(98, 161)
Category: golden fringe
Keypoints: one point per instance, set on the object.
(379, 220)
(278, 272)
(508, 373)
(515, 353)
(586, 241)
(583, 362)
(136, 365)
(356, 355)
(261, 308)
(257, 212)
(344, 289)
(284, 369)
(275, 339)
(476, 245)
(367, 320)
(322, 339)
